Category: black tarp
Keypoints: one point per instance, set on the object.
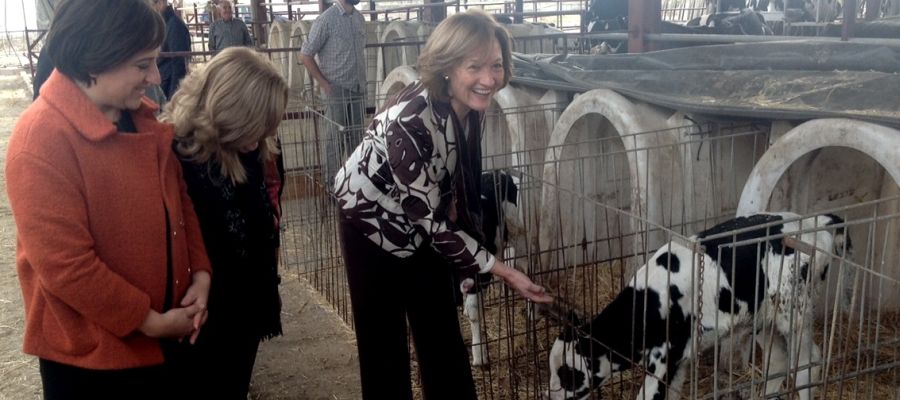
(772, 80)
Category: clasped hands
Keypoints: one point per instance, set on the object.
(184, 321)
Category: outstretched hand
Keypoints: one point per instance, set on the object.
(521, 283)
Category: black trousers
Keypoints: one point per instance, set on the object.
(220, 364)
(386, 292)
(67, 382)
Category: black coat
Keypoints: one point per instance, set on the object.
(241, 236)
(173, 69)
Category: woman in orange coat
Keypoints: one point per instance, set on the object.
(109, 253)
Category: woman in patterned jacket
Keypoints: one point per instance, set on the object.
(410, 214)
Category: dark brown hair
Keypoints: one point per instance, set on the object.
(90, 37)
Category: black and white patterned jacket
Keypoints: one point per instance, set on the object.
(397, 186)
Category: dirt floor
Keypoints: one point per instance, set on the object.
(315, 359)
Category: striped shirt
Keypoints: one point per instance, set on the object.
(338, 40)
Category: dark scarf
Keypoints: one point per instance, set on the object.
(467, 181)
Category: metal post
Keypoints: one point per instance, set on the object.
(258, 13)
(849, 19)
(520, 8)
(584, 7)
(28, 52)
(873, 9)
(434, 14)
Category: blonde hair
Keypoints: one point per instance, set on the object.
(234, 101)
(455, 39)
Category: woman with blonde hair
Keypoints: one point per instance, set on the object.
(410, 211)
(226, 114)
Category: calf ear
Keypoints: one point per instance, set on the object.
(797, 245)
(842, 244)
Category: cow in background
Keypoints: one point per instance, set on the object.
(803, 10)
(743, 22)
(612, 16)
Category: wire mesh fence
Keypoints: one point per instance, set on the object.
(593, 211)
(312, 145)
(589, 226)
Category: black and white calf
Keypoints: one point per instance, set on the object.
(500, 220)
(805, 10)
(768, 274)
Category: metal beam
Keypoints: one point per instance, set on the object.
(716, 38)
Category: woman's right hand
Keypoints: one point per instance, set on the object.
(175, 323)
(521, 283)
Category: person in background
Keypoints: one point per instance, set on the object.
(109, 253)
(334, 54)
(44, 10)
(226, 115)
(155, 94)
(42, 71)
(410, 214)
(228, 31)
(43, 66)
(178, 38)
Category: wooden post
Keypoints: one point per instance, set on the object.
(643, 18)
(434, 14)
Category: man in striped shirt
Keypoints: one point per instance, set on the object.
(337, 40)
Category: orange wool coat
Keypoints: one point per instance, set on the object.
(90, 206)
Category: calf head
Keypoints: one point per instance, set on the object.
(834, 241)
(500, 218)
(499, 203)
(628, 330)
(843, 246)
(577, 366)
